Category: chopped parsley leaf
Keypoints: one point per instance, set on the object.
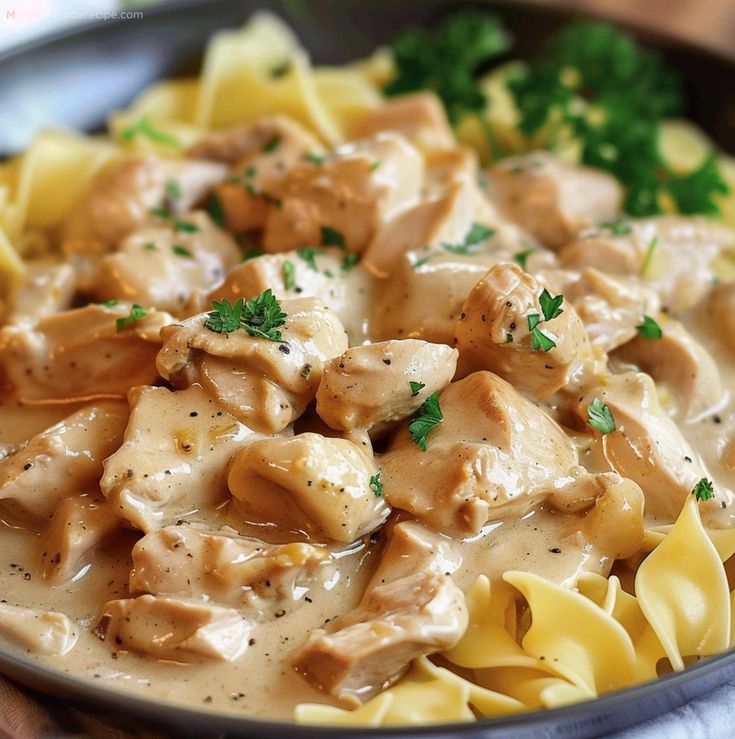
(649, 329)
(262, 316)
(252, 254)
(143, 127)
(475, 236)
(272, 144)
(160, 212)
(185, 227)
(109, 303)
(349, 261)
(376, 485)
(539, 340)
(550, 307)
(225, 317)
(216, 210)
(136, 313)
(289, 275)
(703, 490)
(173, 189)
(375, 165)
(416, 387)
(282, 69)
(150, 246)
(181, 251)
(309, 254)
(428, 416)
(619, 227)
(315, 159)
(522, 258)
(600, 417)
(332, 237)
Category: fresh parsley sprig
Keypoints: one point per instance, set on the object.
(649, 329)
(426, 418)
(703, 490)
(475, 236)
(144, 128)
(260, 316)
(600, 417)
(376, 485)
(550, 308)
(136, 314)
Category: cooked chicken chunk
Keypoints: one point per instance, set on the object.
(163, 265)
(411, 608)
(551, 199)
(648, 447)
(121, 199)
(493, 454)
(493, 332)
(308, 483)
(82, 353)
(174, 457)
(79, 525)
(721, 309)
(266, 384)
(346, 197)
(420, 117)
(681, 365)
(610, 307)
(380, 383)
(672, 254)
(231, 570)
(47, 288)
(173, 628)
(63, 460)
(326, 274)
(260, 154)
(36, 630)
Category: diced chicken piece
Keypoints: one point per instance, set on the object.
(318, 273)
(81, 353)
(682, 365)
(266, 384)
(308, 483)
(372, 384)
(551, 199)
(420, 117)
(79, 525)
(120, 200)
(231, 570)
(495, 452)
(721, 310)
(174, 457)
(63, 460)
(346, 198)
(163, 265)
(492, 332)
(610, 307)
(47, 288)
(648, 447)
(283, 136)
(174, 628)
(672, 254)
(404, 310)
(37, 631)
(260, 154)
(411, 608)
(444, 218)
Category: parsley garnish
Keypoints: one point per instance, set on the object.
(522, 258)
(447, 60)
(160, 212)
(173, 189)
(332, 237)
(416, 387)
(136, 313)
(262, 316)
(282, 69)
(252, 254)
(143, 127)
(649, 329)
(600, 417)
(315, 159)
(308, 254)
(216, 210)
(425, 419)
(539, 340)
(376, 485)
(109, 303)
(550, 307)
(648, 258)
(289, 275)
(224, 318)
(475, 236)
(150, 246)
(181, 251)
(375, 165)
(349, 261)
(185, 227)
(272, 144)
(703, 490)
(619, 227)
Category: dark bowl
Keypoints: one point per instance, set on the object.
(75, 78)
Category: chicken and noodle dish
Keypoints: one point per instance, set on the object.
(399, 392)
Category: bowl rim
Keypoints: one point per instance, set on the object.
(89, 693)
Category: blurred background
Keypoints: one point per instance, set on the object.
(707, 22)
